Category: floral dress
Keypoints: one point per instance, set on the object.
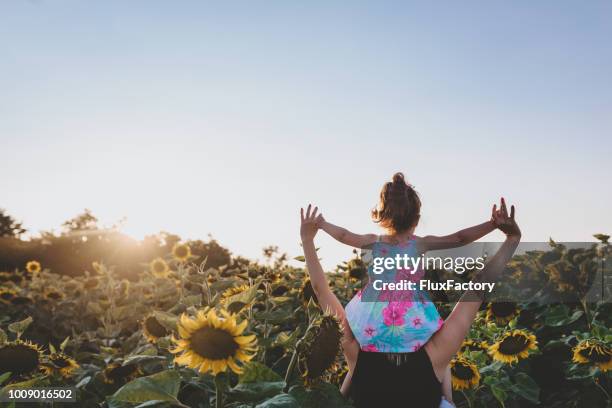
(392, 321)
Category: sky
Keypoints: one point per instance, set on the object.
(224, 118)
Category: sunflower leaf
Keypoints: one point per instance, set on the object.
(3, 337)
(257, 391)
(526, 387)
(323, 395)
(162, 386)
(254, 372)
(20, 326)
(168, 320)
(4, 377)
(280, 401)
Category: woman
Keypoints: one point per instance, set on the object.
(416, 381)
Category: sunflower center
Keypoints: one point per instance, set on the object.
(122, 372)
(7, 295)
(18, 359)
(596, 354)
(181, 252)
(503, 309)
(463, 371)
(514, 344)
(60, 361)
(213, 344)
(154, 327)
(54, 295)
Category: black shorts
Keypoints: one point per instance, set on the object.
(379, 381)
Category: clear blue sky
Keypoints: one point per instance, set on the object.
(198, 118)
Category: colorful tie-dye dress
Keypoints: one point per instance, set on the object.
(392, 321)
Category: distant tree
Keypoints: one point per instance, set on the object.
(85, 221)
(215, 254)
(9, 227)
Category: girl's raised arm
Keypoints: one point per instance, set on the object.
(460, 238)
(345, 236)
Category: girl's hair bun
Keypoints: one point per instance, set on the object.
(399, 207)
(398, 179)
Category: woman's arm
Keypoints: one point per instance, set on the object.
(308, 230)
(447, 341)
(345, 236)
(447, 387)
(327, 300)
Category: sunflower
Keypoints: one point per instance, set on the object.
(59, 363)
(159, 268)
(21, 358)
(6, 295)
(501, 312)
(209, 342)
(464, 374)
(97, 267)
(91, 283)
(53, 294)
(152, 329)
(21, 300)
(233, 291)
(319, 348)
(181, 252)
(356, 269)
(280, 290)
(307, 292)
(595, 352)
(513, 346)
(5, 276)
(116, 373)
(33, 267)
(473, 345)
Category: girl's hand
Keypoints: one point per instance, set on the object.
(504, 222)
(310, 222)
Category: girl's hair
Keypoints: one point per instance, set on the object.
(399, 207)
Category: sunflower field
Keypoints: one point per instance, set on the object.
(180, 333)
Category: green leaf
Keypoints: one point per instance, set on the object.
(4, 377)
(323, 395)
(255, 372)
(280, 401)
(168, 320)
(254, 392)
(499, 394)
(192, 300)
(237, 302)
(526, 387)
(3, 337)
(300, 258)
(64, 343)
(20, 326)
(162, 386)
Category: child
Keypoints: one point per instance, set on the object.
(398, 327)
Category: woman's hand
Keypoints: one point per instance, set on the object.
(311, 222)
(504, 222)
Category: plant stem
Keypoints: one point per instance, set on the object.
(219, 388)
(595, 380)
(291, 367)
